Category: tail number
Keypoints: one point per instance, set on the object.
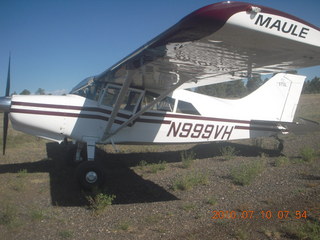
(204, 131)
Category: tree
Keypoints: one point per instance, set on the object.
(312, 86)
(25, 92)
(254, 83)
(40, 91)
(224, 90)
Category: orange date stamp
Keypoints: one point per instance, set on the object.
(265, 214)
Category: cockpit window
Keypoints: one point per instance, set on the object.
(166, 105)
(187, 108)
(88, 88)
(130, 102)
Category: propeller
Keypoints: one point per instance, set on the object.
(5, 103)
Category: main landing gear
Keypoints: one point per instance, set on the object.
(88, 172)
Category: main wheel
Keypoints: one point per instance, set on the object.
(89, 175)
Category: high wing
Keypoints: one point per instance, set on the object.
(220, 42)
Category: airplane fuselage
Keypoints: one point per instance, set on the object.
(182, 117)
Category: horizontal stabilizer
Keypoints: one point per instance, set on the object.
(303, 126)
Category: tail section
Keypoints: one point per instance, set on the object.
(276, 100)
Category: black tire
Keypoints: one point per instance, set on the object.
(89, 175)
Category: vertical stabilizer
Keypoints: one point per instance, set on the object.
(276, 100)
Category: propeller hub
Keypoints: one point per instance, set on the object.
(5, 104)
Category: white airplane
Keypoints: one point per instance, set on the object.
(143, 98)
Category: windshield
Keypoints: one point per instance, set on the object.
(88, 88)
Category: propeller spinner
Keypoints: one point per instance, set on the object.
(5, 105)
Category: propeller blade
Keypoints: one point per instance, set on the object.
(8, 79)
(6, 114)
(5, 131)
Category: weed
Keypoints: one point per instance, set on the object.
(152, 219)
(65, 234)
(8, 215)
(246, 172)
(281, 161)
(188, 181)
(142, 164)
(212, 201)
(124, 226)
(308, 230)
(37, 214)
(241, 234)
(187, 158)
(22, 173)
(228, 152)
(155, 167)
(188, 207)
(308, 154)
(100, 201)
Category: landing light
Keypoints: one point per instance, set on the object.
(253, 9)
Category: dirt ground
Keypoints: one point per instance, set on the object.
(40, 198)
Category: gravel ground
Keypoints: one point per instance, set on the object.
(40, 198)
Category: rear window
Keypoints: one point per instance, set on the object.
(187, 108)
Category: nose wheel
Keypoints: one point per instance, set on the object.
(90, 175)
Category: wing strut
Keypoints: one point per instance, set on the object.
(108, 135)
(122, 94)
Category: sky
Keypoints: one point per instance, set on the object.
(56, 44)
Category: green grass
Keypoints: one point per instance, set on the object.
(308, 154)
(123, 226)
(212, 201)
(8, 215)
(152, 167)
(246, 172)
(188, 181)
(98, 202)
(188, 207)
(37, 214)
(228, 152)
(187, 158)
(65, 234)
(22, 173)
(308, 230)
(281, 161)
(156, 167)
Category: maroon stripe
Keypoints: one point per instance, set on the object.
(153, 121)
(66, 107)
(126, 116)
(61, 114)
(194, 117)
(81, 115)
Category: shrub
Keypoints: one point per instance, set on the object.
(280, 161)
(228, 152)
(100, 201)
(307, 154)
(187, 157)
(190, 180)
(246, 172)
(155, 167)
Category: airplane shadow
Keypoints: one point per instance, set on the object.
(121, 180)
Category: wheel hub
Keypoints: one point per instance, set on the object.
(91, 177)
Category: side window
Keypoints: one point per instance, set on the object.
(110, 96)
(130, 102)
(166, 105)
(187, 108)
